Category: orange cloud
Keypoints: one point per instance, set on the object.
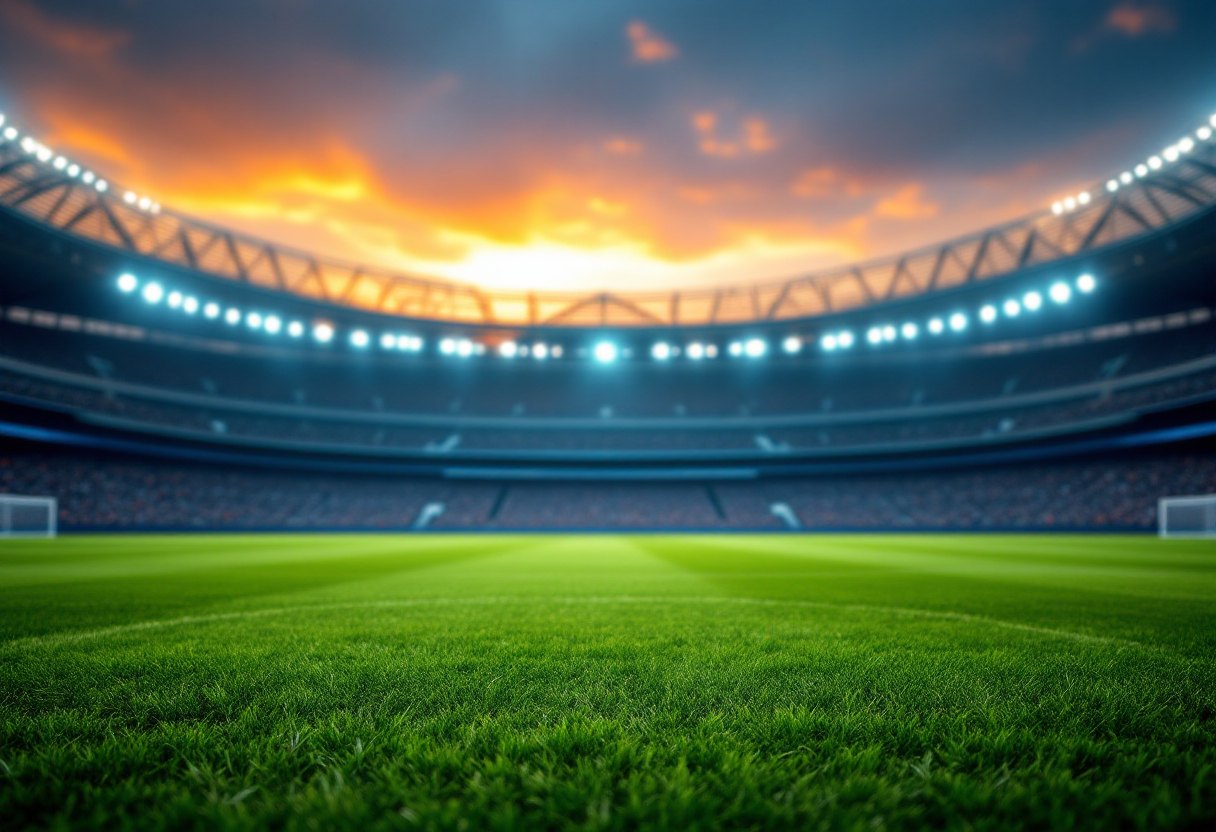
(76, 41)
(906, 204)
(621, 146)
(649, 47)
(753, 137)
(1133, 20)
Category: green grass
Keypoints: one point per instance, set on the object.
(393, 682)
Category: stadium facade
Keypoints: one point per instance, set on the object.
(157, 360)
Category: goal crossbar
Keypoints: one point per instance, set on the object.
(1193, 516)
(22, 516)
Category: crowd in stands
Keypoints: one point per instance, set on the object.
(103, 491)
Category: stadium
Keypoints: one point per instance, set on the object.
(921, 540)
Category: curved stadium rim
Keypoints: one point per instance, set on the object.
(37, 185)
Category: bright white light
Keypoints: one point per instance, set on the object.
(44, 154)
(1170, 154)
(73, 171)
(888, 333)
(360, 339)
(1141, 170)
(845, 339)
(828, 342)
(295, 329)
(190, 305)
(1012, 308)
(153, 293)
(175, 299)
(1032, 301)
(605, 352)
(253, 320)
(10, 133)
(874, 335)
(1060, 292)
(695, 351)
(145, 204)
(711, 350)
(127, 283)
(1203, 133)
(1154, 162)
(1083, 197)
(1212, 120)
(755, 347)
(28, 144)
(88, 177)
(129, 197)
(102, 186)
(542, 351)
(936, 326)
(324, 333)
(388, 341)
(447, 346)
(211, 310)
(1086, 283)
(60, 163)
(958, 322)
(464, 347)
(1112, 185)
(988, 314)
(233, 316)
(405, 342)
(661, 351)
(508, 349)
(1070, 204)
(1186, 145)
(1057, 208)
(272, 324)
(909, 330)
(736, 348)
(1125, 178)
(792, 344)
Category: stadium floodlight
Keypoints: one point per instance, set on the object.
(1203, 133)
(145, 204)
(127, 283)
(541, 351)
(1154, 162)
(295, 329)
(958, 322)
(874, 335)
(175, 300)
(605, 352)
(1141, 170)
(10, 133)
(153, 292)
(232, 316)
(190, 305)
(937, 326)
(1083, 198)
(1012, 308)
(88, 177)
(1186, 144)
(44, 154)
(1060, 292)
(735, 348)
(464, 348)
(323, 333)
(888, 333)
(1057, 208)
(508, 349)
(1112, 185)
(909, 331)
(988, 313)
(1212, 120)
(1170, 154)
(447, 346)
(845, 339)
(73, 171)
(695, 351)
(828, 342)
(1125, 177)
(272, 324)
(792, 344)
(1070, 204)
(211, 311)
(1032, 301)
(755, 347)
(556, 351)
(129, 197)
(388, 341)
(360, 339)
(661, 351)
(102, 186)
(1086, 283)
(60, 163)
(253, 320)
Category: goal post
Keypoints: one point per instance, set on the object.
(28, 516)
(1187, 516)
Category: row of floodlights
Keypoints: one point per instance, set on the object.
(1153, 163)
(36, 149)
(1060, 293)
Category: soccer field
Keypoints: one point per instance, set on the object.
(471, 682)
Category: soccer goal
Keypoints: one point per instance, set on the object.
(1187, 516)
(28, 516)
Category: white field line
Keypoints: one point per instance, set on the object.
(86, 635)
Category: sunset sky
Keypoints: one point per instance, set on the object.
(576, 144)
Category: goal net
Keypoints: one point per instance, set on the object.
(28, 516)
(1187, 516)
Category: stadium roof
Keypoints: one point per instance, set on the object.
(51, 190)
